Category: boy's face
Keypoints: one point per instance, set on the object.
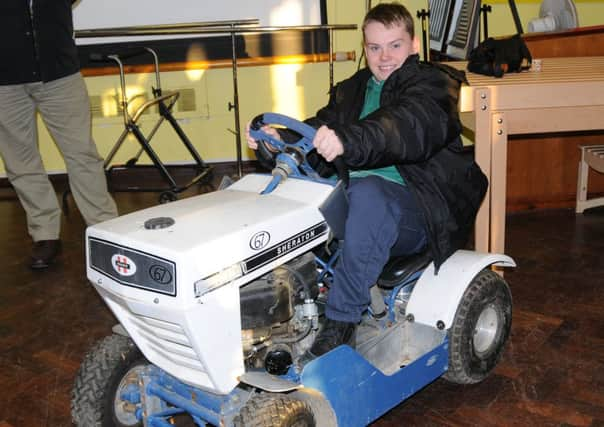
(387, 48)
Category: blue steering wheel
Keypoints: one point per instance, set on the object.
(294, 153)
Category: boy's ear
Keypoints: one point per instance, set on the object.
(415, 45)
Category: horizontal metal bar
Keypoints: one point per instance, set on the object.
(187, 404)
(297, 28)
(140, 110)
(191, 28)
(202, 24)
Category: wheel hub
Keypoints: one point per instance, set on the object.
(485, 331)
(125, 411)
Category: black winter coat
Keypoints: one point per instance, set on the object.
(417, 129)
(36, 46)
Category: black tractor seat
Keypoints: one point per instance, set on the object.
(398, 269)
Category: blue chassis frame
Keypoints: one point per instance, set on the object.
(358, 392)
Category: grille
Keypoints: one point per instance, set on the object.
(439, 12)
(168, 340)
(463, 25)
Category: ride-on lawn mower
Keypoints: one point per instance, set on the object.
(219, 295)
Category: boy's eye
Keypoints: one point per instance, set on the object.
(374, 48)
(396, 45)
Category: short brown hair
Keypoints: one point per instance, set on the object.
(390, 14)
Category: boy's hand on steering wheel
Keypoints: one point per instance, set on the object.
(253, 144)
(327, 143)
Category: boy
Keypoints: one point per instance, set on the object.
(396, 126)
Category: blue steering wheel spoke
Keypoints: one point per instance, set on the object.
(260, 135)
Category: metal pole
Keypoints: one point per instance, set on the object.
(423, 14)
(517, 22)
(485, 9)
(192, 30)
(235, 105)
(330, 35)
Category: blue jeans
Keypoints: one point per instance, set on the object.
(383, 221)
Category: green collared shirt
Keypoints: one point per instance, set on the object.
(372, 103)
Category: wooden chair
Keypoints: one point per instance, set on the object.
(592, 156)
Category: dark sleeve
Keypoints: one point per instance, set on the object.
(418, 120)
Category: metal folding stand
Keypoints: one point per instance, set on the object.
(165, 102)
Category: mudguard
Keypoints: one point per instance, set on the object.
(435, 297)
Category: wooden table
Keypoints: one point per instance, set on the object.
(566, 95)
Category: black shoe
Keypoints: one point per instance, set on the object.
(333, 334)
(44, 253)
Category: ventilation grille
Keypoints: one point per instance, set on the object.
(463, 25)
(167, 340)
(186, 101)
(95, 106)
(464, 32)
(439, 12)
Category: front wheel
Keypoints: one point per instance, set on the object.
(275, 410)
(480, 329)
(111, 366)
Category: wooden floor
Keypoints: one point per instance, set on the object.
(552, 373)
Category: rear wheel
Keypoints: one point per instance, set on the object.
(480, 329)
(275, 410)
(112, 366)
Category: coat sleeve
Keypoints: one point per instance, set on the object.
(418, 118)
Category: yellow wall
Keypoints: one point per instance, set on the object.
(297, 90)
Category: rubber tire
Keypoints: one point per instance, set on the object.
(275, 410)
(105, 365)
(466, 365)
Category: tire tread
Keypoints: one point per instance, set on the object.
(486, 283)
(94, 377)
(270, 410)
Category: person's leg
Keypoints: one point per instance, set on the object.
(383, 220)
(65, 108)
(23, 164)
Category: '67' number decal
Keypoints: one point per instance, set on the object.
(260, 240)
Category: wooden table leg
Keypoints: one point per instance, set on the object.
(482, 154)
(499, 144)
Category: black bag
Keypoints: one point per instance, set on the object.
(496, 57)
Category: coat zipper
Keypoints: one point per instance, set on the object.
(34, 35)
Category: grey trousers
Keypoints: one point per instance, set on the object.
(65, 109)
